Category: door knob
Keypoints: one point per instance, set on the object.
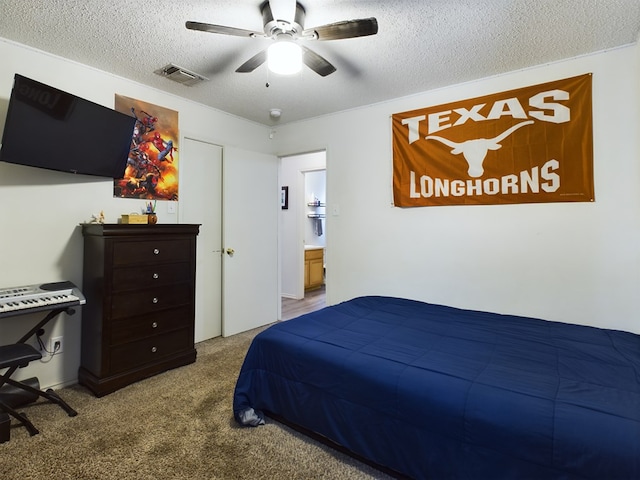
(230, 252)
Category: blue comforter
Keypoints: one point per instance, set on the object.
(437, 392)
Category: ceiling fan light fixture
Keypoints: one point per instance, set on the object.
(284, 58)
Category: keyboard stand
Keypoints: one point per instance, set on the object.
(19, 355)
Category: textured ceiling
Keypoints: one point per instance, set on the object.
(421, 45)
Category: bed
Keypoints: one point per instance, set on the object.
(431, 391)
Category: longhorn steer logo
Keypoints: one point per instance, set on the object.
(475, 151)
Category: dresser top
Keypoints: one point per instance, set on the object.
(123, 229)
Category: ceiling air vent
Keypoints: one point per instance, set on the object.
(180, 75)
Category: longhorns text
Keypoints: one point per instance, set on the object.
(543, 106)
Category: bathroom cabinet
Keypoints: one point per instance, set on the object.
(313, 268)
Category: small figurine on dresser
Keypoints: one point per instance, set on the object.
(99, 218)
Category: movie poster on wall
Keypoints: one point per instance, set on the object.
(529, 145)
(152, 166)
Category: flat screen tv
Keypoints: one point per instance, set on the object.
(53, 129)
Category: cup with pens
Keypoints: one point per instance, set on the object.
(151, 213)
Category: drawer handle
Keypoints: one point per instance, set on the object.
(154, 325)
(156, 276)
(156, 251)
(154, 349)
(155, 300)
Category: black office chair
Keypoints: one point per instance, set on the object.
(16, 356)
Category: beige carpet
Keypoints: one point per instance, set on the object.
(177, 425)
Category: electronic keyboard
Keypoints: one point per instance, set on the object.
(39, 297)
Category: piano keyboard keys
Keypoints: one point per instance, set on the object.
(19, 299)
(37, 302)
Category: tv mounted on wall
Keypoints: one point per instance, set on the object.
(56, 130)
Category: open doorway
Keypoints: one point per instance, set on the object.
(303, 231)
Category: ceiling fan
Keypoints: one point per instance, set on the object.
(283, 21)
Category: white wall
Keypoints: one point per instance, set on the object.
(40, 210)
(571, 262)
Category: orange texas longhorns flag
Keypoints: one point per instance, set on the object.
(529, 145)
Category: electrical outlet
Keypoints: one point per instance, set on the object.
(55, 345)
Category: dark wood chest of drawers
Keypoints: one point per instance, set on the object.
(139, 282)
